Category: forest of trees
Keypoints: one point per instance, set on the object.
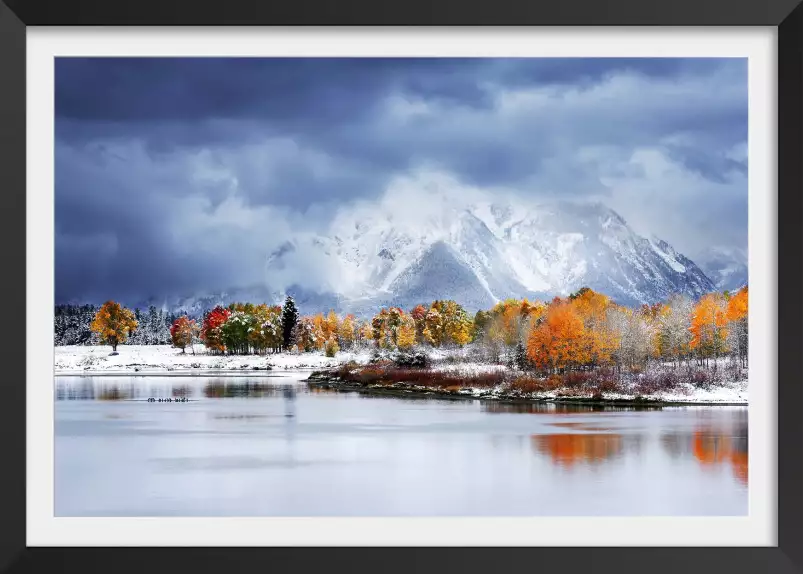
(581, 332)
(73, 326)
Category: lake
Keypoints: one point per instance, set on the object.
(232, 450)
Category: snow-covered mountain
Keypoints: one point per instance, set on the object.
(725, 266)
(481, 251)
(430, 237)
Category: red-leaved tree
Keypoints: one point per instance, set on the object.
(210, 331)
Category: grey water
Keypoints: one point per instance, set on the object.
(271, 446)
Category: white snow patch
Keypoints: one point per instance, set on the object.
(670, 260)
(469, 369)
(526, 274)
(162, 358)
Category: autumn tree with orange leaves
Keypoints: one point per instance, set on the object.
(182, 333)
(559, 341)
(601, 339)
(709, 327)
(113, 323)
(575, 332)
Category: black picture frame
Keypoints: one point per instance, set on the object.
(786, 15)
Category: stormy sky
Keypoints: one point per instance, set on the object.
(175, 176)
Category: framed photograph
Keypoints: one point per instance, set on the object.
(410, 290)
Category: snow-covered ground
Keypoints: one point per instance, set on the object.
(724, 393)
(734, 393)
(469, 368)
(161, 358)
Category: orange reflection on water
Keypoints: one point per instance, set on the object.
(568, 449)
(715, 450)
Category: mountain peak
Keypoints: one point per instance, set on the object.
(484, 250)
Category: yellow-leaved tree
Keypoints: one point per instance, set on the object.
(330, 325)
(364, 333)
(405, 338)
(113, 323)
(347, 331)
(320, 331)
(445, 323)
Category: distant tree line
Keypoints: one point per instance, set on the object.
(585, 331)
(73, 326)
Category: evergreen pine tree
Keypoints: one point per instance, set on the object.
(289, 321)
(163, 333)
(71, 325)
(151, 325)
(137, 336)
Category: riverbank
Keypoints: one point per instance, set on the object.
(167, 360)
(474, 385)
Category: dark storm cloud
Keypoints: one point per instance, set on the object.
(305, 90)
(175, 173)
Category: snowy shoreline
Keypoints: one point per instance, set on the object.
(498, 395)
(729, 394)
(164, 360)
(167, 360)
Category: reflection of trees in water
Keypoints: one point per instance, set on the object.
(86, 391)
(715, 450)
(220, 388)
(384, 395)
(181, 391)
(738, 460)
(89, 390)
(83, 390)
(111, 390)
(553, 408)
(114, 393)
(712, 448)
(569, 449)
(533, 408)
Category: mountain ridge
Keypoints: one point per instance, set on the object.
(475, 251)
(482, 252)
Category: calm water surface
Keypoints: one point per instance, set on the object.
(233, 451)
